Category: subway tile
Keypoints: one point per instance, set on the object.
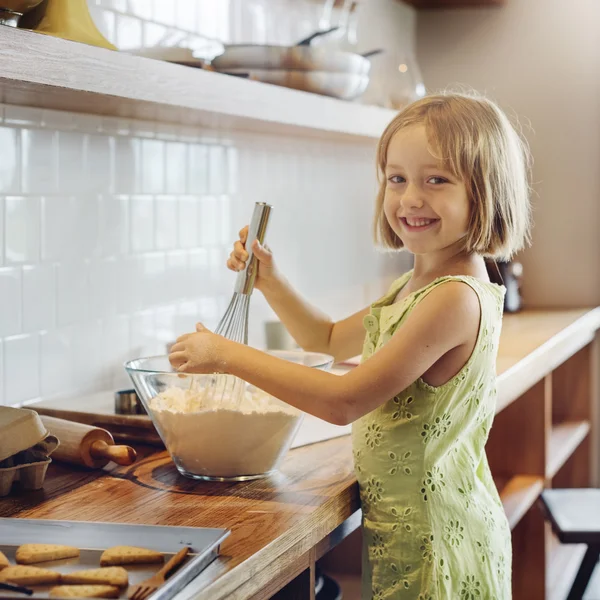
(116, 351)
(103, 287)
(56, 366)
(129, 294)
(198, 169)
(39, 161)
(22, 231)
(189, 221)
(128, 32)
(39, 298)
(186, 15)
(176, 168)
(199, 273)
(114, 225)
(71, 161)
(128, 165)
(154, 34)
(165, 324)
(153, 166)
(217, 176)
(152, 279)
(2, 373)
(87, 355)
(144, 9)
(72, 292)
(21, 368)
(105, 22)
(11, 295)
(232, 169)
(58, 119)
(10, 165)
(99, 174)
(142, 334)
(165, 12)
(209, 221)
(70, 227)
(177, 275)
(143, 129)
(166, 213)
(1, 231)
(141, 223)
(23, 116)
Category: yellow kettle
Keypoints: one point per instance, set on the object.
(68, 19)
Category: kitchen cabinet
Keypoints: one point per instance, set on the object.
(544, 435)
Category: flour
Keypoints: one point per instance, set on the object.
(224, 436)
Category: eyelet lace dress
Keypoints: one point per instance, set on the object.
(433, 524)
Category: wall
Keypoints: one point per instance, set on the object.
(540, 59)
(114, 235)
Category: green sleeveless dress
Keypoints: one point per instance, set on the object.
(433, 524)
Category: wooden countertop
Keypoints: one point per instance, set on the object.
(280, 524)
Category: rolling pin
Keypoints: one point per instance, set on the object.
(85, 445)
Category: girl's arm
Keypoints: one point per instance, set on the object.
(445, 319)
(313, 330)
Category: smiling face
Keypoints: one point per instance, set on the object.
(426, 206)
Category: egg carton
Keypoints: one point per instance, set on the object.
(28, 467)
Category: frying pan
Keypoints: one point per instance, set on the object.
(346, 86)
(301, 57)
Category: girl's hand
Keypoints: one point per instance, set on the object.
(199, 352)
(239, 257)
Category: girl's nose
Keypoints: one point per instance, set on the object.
(411, 197)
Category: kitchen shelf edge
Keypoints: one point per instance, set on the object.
(518, 495)
(52, 73)
(564, 439)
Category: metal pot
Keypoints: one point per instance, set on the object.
(346, 86)
(300, 58)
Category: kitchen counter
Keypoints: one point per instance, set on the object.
(281, 525)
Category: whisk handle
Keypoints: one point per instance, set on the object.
(257, 230)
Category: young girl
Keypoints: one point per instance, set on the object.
(453, 191)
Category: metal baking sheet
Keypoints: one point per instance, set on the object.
(93, 538)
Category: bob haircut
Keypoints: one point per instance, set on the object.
(476, 142)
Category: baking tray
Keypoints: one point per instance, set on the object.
(93, 538)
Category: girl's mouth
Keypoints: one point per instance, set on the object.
(418, 224)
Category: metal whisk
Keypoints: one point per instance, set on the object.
(234, 323)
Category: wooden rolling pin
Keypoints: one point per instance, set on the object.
(85, 445)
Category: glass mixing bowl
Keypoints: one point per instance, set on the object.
(212, 434)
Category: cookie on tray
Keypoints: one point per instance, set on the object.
(130, 555)
(29, 554)
(84, 591)
(26, 575)
(103, 576)
(3, 561)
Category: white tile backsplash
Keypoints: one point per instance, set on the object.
(114, 235)
(22, 236)
(12, 303)
(22, 368)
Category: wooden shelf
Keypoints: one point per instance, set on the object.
(563, 563)
(564, 440)
(439, 4)
(518, 495)
(47, 72)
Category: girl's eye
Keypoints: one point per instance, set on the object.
(437, 180)
(396, 179)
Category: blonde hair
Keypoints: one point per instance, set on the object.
(477, 143)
